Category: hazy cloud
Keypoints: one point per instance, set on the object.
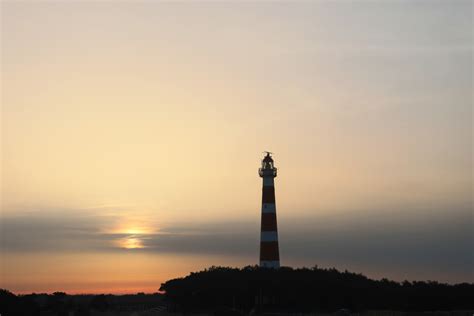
(436, 243)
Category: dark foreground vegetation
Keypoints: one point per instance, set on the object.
(257, 291)
(309, 290)
(62, 304)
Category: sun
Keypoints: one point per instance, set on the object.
(136, 231)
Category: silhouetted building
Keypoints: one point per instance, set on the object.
(269, 253)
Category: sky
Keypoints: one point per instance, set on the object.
(131, 135)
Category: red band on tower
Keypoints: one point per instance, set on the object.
(269, 222)
(268, 194)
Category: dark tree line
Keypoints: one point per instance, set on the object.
(61, 304)
(254, 288)
(315, 289)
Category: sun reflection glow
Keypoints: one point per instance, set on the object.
(131, 242)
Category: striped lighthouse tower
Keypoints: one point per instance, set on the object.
(269, 254)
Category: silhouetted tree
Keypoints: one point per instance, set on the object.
(13, 305)
(309, 290)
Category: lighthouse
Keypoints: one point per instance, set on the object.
(269, 253)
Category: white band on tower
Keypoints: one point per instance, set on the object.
(269, 236)
(268, 208)
(275, 264)
(268, 182)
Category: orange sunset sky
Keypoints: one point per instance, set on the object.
(131, 135)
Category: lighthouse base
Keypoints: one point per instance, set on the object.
(270, 264)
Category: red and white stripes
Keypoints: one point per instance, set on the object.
(269, 253)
